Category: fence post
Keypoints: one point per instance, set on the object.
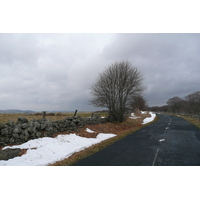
(75, 113)
(43, 114)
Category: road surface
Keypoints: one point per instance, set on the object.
(170, 141)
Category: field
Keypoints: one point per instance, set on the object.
(4, 118)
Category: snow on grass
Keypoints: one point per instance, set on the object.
(144, 112)
(133, 116)
(149, 119)
(44, 151)
(89, 131)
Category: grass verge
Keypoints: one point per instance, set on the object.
(196, 122)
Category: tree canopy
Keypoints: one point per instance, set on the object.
(115, 88)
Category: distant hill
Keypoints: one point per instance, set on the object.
(16, 111)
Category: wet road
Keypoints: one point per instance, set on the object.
(170, 141)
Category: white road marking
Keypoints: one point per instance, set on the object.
(161, 140)
(155, 157)
(165, 132)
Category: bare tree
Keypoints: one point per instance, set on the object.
(115, 88)
(175, 104)
(193, 103)
(138, 102)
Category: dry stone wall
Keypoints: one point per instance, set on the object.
(24, 130)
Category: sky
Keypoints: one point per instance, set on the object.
(55, 71)
(49, 60)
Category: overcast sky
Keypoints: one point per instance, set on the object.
(55, 71)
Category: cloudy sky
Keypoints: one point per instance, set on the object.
(55, 71)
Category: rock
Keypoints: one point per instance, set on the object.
(26, 138)
(69, 118)
(24, 125)
(21, 120)
(37, 125)
(7, 154)
(11, 123)
(15, 135)
(50, 130)
(38, 134)
(12, 140)
(6, 131)
(25, 133)
(2, 143)
(43, 126)
(49, 122)
(2, 126)
(17, 130)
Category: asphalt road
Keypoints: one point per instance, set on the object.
(170, 141)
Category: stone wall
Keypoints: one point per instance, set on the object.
(24, 130)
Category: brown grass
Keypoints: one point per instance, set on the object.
(4, 118)
(196, 122)
(23, 152)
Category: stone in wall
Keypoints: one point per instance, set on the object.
(24, 130)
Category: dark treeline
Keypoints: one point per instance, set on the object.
(189, 104)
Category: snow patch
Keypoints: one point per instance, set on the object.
(149, 119)
(46, 150)
(89, 131)
(143, 112)
(133, 116)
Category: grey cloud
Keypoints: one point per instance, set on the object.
(169, 62)
(55, 71)
(48, 71)
(18, 49)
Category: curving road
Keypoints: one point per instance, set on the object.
(170, 141)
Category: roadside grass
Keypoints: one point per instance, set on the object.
(120, 129)
(5, 118)
(196, 122)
